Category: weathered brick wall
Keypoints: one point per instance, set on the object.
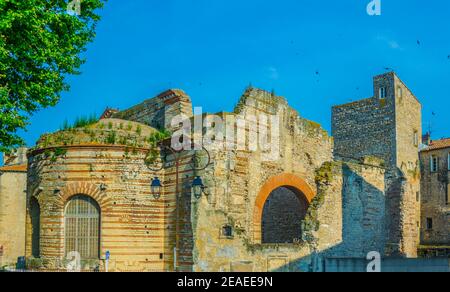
(434, 199)
(363, 206)
(351, 219)
(179, 209)
(139, 231)
(235, 180)
(132, 222)
(238, 178)
(159, 111)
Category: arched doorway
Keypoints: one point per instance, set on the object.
(283, 212)
(82, 227)
(279, 192)
(35, 215)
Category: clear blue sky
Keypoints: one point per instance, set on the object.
(213, 49)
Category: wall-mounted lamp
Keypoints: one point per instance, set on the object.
(198, 188)
(156, 187)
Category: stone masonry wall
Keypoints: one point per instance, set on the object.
(355, 204)
(408, 139)
(388, 128)
(237, 179)
(366, 127)
(360, 185)
(12, 216)
(435, 199)
(351, 219)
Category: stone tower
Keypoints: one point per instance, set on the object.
(388, 126)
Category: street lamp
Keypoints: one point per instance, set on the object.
(198, 188)
(156, 188)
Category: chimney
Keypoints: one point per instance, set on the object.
(426, 139)
(16, 157)
(108, 113)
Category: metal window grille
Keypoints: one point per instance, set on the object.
(82, 227)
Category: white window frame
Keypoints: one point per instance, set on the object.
(416, 138)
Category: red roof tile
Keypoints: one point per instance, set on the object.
(14, 168)
(438, 144)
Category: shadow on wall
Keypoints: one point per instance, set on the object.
(367, 215)
(363, 221)
(387, 265)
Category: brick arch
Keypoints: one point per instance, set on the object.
(87, 189)
(287, 180)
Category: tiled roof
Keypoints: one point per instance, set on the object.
(14, 168)
(438, 144)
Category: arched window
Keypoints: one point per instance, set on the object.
(282, 216)
(35, 215)
(82, 227)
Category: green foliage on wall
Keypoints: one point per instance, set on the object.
(311, 223)
(154, 139)
(80, 122)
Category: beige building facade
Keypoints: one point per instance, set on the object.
(13, 185)
(435, 198)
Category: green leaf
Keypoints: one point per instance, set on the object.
(40, 45)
